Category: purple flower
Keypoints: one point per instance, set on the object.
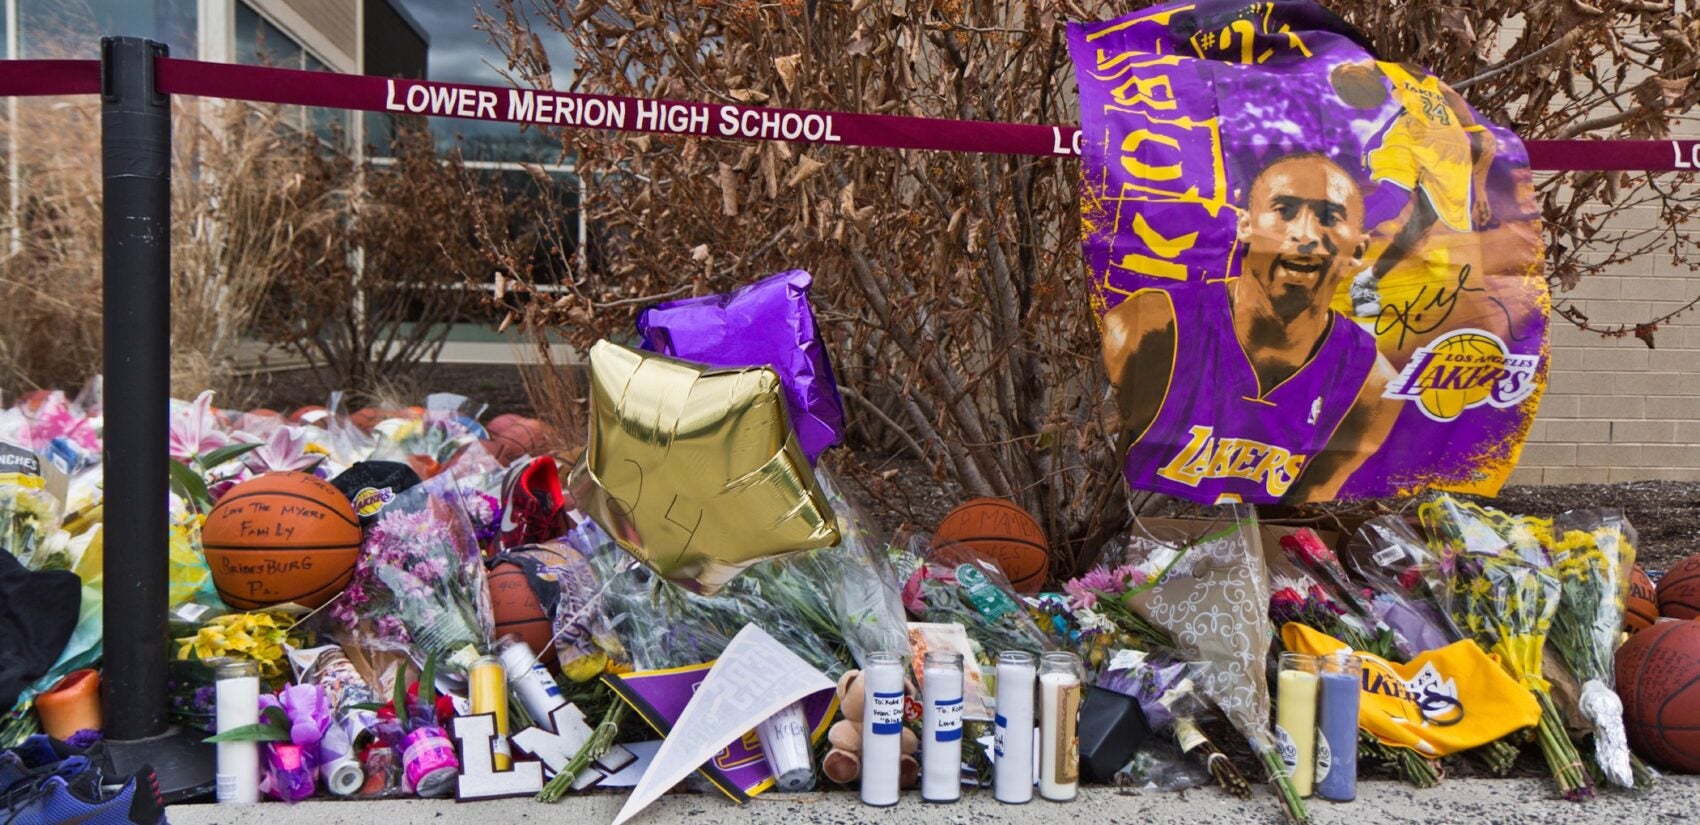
(1099, 581)
(391, 627)
(1080, 597)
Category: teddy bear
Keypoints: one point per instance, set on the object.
(843, 763)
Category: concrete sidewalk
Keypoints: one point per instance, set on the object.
(1676, 801)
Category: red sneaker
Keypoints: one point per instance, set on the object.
(534, 507)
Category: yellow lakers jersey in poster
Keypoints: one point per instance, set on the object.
(1426, 147)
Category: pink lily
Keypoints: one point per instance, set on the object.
(194, 431)
(285, 450)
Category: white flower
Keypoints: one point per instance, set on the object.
(1092, 620)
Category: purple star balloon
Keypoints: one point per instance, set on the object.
(767, 323)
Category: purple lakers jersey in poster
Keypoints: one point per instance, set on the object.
(1242, 442)
(1371, 219)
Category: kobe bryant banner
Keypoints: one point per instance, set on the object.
(1317, 273)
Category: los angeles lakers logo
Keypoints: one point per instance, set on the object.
(370, 500)
(1464, 369)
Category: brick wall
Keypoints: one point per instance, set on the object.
(1614, 409)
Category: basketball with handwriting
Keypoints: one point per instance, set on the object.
(281, 538)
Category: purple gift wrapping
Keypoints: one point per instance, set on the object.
(291, 771)
(291, 767)
(428, 762)
(767, 323)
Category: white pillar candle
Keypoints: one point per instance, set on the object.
(882, 727)
(1013, 746)
(1059, 710)
(237, 703)
(941, 722)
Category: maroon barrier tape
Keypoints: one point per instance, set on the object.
(717, 120)
(29, 78)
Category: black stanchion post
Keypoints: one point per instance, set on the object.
(135, 132)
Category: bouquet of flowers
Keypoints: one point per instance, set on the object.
(1592, 554)
(418, 582)
(1306, 550)
(662, 625)
(949, 584)
(29, 520)
(1096, 599)
(1404, 580)
(1162, 684)
(1213, 598)
(1500, 592)
(257, 637)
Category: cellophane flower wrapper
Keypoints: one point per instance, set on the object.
(949, 584)
(1306, 550)
(1211, 594)
(662, 625)
(849, 589)
(1500, 590)
(479, 482)
(585, 642)
(419, 582)
(1403, 583)
(1593, 553)
(29, 520)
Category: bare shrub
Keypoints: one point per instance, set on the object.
(237, 205)
(951, 284)
(368, 298)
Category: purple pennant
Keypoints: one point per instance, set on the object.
(767, 323)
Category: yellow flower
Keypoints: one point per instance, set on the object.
(587, 667)
(209, 643)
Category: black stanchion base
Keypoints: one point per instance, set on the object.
(185, 765)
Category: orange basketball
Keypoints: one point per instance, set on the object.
(1641, 609)
(522, 437)
(1679, 590)
(1658, 678)
(504, 421)
(515, 608)
(281, 538)
(1003, 533)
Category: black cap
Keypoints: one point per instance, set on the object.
(370, 485)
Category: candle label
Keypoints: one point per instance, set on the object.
(887, 711)
(1000, 727)
(1189, 739)
(1324, 757)
(948, 716)
(1289, 750)
(1067, 768)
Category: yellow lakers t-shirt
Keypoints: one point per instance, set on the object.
(1426, 148)
(1444, 701)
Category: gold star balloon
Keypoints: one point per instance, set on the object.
(695, 470)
